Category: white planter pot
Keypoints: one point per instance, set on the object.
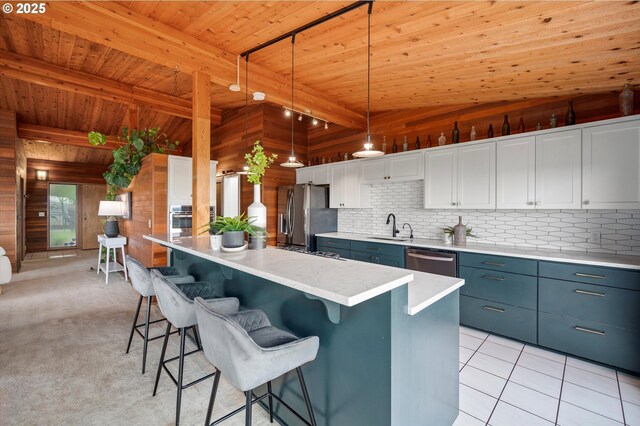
(257, 209)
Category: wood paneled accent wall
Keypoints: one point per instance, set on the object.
(8, 214)
(266, 123)
(431, 121)
(148, 206)
(59, 172)
(21, 190)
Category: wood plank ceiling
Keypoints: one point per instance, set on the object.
(424, 54)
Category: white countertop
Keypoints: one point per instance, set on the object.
(596, 259)
(346, 282)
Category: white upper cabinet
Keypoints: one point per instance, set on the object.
(317, 175)
(611, 166)
(460, 177)
(477, 176)
(515, 176)
(440, 178)
(345, 187)
(558, 170)
(180, 178)
(394, 168)
(539, 171)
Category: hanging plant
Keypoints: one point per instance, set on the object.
(258, 163)
(127, 159)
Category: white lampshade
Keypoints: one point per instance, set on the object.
(110, 208)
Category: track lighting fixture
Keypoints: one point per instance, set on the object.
(258, 96)
(300, 117)
(314, 122)
(287, 112)
(291, 162)
(326, 125)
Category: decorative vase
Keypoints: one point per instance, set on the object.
(257, 242)
(257, 209)
(626, 100)
(405, 145)
(384, 144)
(455, 134)
(490, 131)
(459, 233)
(506, 128)
(394, 147)
(473, 134)
(417, 142)
(442, 139)
(538, 126)
(428, 141)
(570, 117)
(216, 242)
(232, 239)
(521, 125)
(553, 121)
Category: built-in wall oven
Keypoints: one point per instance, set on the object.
(180, 218)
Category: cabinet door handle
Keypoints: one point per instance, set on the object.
(493, 263)
(373, 248)
(538, 203)
(454, 204)
(585, 202)
(598, 277)
(590, 293)
(492, 309)
(458, 203)
(589, 330)
(330, 243)
(491, 277)
(530, 203)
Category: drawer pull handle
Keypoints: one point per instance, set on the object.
(493, 263)
(329, 243)
(439, 259)
(590, 293)
(492, 309)
(599, 277)
(490, 277)
(588, 330)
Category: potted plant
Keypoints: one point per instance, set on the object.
(258, 241)
(127, 159)
(449, 231)
(233, 229)
(258, 163)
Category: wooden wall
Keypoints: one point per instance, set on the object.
(431, 121)
(148, 203)
(8, 225)
(21, 190)
(59, 172)
(265, 123)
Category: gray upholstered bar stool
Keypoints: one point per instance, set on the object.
(250, 352)
(176, 303)
(140, 277)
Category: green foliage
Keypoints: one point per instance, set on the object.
(127, 159)
(449, 231)
(258, 163)
(238, 223)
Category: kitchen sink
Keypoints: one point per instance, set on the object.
(389, 238)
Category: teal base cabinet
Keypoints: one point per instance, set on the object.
(500, 295)
(383, 254)
(591, 312)
(378, 366)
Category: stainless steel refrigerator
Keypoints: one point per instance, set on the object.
(303, 212)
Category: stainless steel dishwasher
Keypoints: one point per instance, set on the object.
(433, 261)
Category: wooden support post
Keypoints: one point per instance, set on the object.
(201, 149)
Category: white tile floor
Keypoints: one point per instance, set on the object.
(507, 383)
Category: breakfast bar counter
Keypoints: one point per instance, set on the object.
(388, 336)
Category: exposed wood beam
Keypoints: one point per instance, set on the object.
(35, 71)
(201, 150)
(34, 132)
(116, 26)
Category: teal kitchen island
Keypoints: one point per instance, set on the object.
(388, 336)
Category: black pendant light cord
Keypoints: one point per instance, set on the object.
(369, 69)
(293, 45)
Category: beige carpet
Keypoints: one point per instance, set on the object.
(63, 334)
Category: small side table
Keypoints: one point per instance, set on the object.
(112, 243)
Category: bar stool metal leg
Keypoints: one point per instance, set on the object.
(183, 336)
(212, 399)
(270, 401)
(306, 396)
(146, 334)
(135, 320)
(249, 405)
(164, 350)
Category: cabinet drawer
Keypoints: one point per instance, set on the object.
(500, 263)
(333, 243)
(377, 248)
(622, 278)
(606, 305)
(510, 321)
(344, 254)
(505, 287)
(381, 259)
(603, 343)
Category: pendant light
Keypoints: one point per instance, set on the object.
(245, 167)
(236, 87)
(368, 150)
(292, 162)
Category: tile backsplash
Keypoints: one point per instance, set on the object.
(543, 229)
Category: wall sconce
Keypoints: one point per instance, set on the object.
(41, 175)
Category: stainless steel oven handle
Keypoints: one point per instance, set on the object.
(439, 259)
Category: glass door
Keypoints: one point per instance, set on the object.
(63, 230)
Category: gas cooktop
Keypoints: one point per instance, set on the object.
(329, 254)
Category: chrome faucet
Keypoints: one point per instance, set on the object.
(410, 230)
(394, 230)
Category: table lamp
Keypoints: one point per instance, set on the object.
(111, 209)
